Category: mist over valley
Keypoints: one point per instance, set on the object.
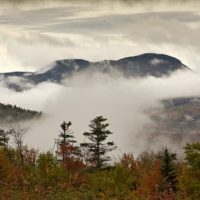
(77, 61)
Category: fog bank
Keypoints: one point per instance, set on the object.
(125, 102)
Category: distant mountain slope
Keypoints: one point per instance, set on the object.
(13, 113)
(178, 123)
(143, 65)
(151, 64)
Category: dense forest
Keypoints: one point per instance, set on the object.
(86, 171)
(13, 113)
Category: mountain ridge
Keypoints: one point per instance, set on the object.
(148, 64)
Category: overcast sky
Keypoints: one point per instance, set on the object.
(33, 36)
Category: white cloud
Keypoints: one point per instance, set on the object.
(125, 102)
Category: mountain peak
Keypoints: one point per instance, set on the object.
(148, 64)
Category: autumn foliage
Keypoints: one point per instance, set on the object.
(66, 174)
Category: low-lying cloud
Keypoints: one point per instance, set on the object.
(33, 35)
(125, 102)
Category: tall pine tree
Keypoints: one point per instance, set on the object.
(67, 148)
(66, 141)
(97, 147)
(168, 170)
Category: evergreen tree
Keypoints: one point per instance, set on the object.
(66, 135)
(67, 148)
(3, 138)
(168, 170)
(97, 147)
(66, 141)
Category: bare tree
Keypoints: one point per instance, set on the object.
(18, 134)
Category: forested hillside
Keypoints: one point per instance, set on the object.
(13, 113)
(179, 121)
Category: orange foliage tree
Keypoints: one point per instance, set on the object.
(68, 151)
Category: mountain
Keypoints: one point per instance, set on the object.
(178, 123)
(13, 113)
(149, 64)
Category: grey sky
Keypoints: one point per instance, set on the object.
(31, 38)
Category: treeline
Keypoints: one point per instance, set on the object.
(13, 113)
(84, 171)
